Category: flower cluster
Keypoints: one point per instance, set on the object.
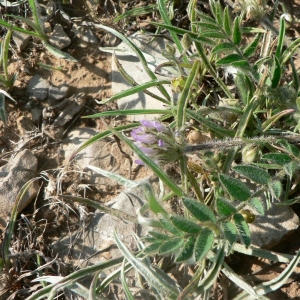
(157, 141)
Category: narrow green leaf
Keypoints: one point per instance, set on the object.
(203, 244)
(244, 86)
(216, 9)
(227, 23)
(136, 89)
(213, 273)
(276, 188)
(250, 50)
(125, 286)
(187, 250)
(280, 280)
(168, 226)
(208, 25)
(229, 59)
(151, 277)
(2, 109)
(235, 188)
(58, 53)
(230, 232)
(275, 72)
(212, 34)
(170, 246)
(224, 208)
(128, 112)
(199, 210)
(205, 18)
(273, 119)
(223, 47)
(185, 225)
(281, 38)
(291, 168)
(139, 54)
(254, 173)
(278, 158)
(159, 236)
(236, 34)
(152, 249)
(242, 228)
(289, 51)
(292, 149)
(256, 204)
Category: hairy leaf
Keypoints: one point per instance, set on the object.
(185, 225)
(187, 250)
(254, 173)
(224, 208)
(278, 158)
(257, 205)
(242, 228)
(237, 34)
(230, 232)
(170, 246)
(235, 188)
(203, 244)
(199, 210)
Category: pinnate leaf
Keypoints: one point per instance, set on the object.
(242, 228)
(187, 250)
(254, 173)
(224, 208)
(199, 210)
(185, 225)
(203, 244)
(235, 188)
(256, 204)
(230, 232)
(237, 34)
(278, 158)
(170, 246)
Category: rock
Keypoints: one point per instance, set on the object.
(36, 115)
(132, 65)
(21, 39)
(58, 92)
(278, 222)
(99, 234)
(19, 170)
(38, 87)
(103, 154)
(25, 125)
(59, 38)
(85, 34)
(47, 27)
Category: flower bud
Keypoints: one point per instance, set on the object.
(250, 154)
(247, 215)
(177, 84)
(186, 41)
(170, 49)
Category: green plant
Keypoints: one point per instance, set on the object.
(257, 142)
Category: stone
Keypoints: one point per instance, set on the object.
(99, 234)
(38, 87)
(59, 38)
(36, 115)
(102, 154)
(132, 65)
(18, 171)
(25, 125)
(21, 40)
(58, 92)
(268, 230)
(85, 34)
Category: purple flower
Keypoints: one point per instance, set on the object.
(155, 125)
(157, 141)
